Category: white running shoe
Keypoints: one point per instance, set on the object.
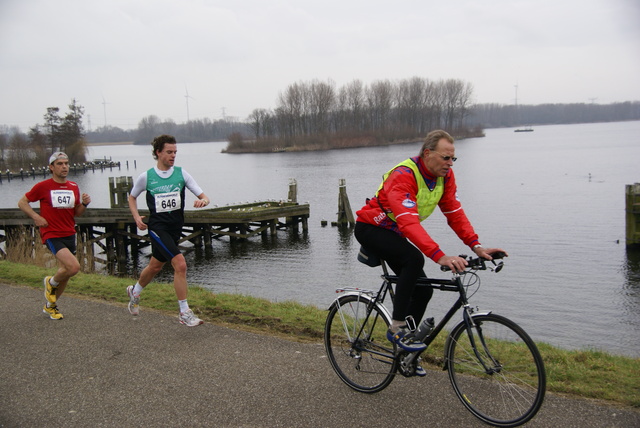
(189, 319)
(134, 301)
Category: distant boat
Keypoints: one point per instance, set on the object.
(525, 129)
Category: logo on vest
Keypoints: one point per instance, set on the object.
(408, 203)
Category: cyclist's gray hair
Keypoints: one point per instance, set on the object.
(432, 138)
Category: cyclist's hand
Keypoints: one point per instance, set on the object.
(456, 264)
(486, 253)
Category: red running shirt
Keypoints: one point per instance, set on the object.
(58, 203)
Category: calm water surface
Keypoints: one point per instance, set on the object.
(553, 198)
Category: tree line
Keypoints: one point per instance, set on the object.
(312, 115)
(318, 114)
(151, 126)
(502, 116)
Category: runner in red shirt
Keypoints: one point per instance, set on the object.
(388, 226)
(60, 202)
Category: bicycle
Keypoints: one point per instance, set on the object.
(494, 366)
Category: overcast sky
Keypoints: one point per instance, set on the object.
(135, 58)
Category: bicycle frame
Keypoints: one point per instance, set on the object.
(453, 285)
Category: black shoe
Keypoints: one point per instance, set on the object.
(404, 339)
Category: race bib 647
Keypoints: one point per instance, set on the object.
(63, 199)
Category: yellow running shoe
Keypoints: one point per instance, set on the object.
(49, 290)
(53, 312)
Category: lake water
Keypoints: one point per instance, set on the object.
(553, 198)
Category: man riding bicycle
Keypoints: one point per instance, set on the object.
(388, 226)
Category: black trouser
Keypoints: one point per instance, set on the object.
(406, 261)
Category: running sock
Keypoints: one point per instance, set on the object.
(395, 325)
(184, 306)
(53, 282)
(137, 289)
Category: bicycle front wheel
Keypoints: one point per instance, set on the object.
(496, 370)
(356, 343)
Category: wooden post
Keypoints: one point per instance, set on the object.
(119, 189)
(632, 208)
(80, 248)
(292, 197)
(89, 251)
(293, 191)
(206, 232)
(345, 214)
(120, 248)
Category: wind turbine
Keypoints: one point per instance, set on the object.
(187, 96)
(104, 107)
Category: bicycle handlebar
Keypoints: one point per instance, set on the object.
(479, 263)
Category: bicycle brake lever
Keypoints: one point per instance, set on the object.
(498, 267)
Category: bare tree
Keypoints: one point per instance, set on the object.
(38, 142)
(21, 153)
(291, 109)
(355, 104)
(4, 143)
(380, 101)
(258, 118)
(148, 129)
(321, 105)
(457, 98)
(435, 105)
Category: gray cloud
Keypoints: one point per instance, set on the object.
(141, 54)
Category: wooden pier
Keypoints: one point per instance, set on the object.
(107, 236)
(43, 172)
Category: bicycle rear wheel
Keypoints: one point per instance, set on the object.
(504, 384)
(356, 344)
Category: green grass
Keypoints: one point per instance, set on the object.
(584, 373)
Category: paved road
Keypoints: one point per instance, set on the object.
(100, 367)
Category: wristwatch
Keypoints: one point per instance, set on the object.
(476, 246)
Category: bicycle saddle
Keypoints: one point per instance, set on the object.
(364, 256)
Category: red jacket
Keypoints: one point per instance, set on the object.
(401, 186)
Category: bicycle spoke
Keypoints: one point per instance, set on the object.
(503, 384)
(354, 339)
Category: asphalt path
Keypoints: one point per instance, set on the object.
(101, 367)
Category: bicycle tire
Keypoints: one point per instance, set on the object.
(356, 345)
(513, 393)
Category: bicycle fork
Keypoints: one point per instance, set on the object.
(471, 326)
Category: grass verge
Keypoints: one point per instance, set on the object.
(585, 373)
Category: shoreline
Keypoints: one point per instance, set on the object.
(114, 143)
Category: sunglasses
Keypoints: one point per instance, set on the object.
(446, 158)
